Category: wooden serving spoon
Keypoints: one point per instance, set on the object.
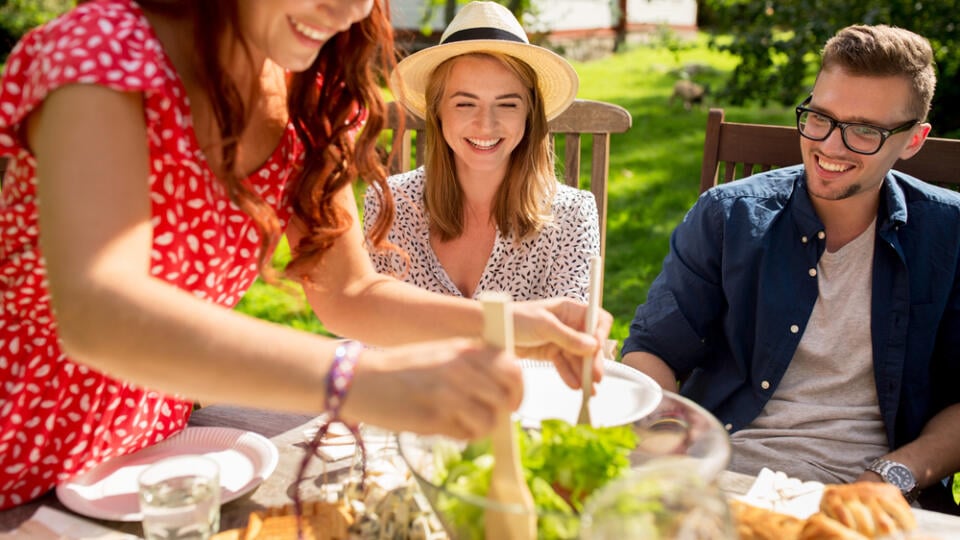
(593, 306)
(507, 485)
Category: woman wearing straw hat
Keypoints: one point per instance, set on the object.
(486, 211)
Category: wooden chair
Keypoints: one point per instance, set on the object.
(584, 117)
(745, 149)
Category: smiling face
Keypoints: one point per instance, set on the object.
(834, 172)
(291, 32)
(483, 113)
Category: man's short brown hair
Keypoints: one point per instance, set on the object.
(883, 51)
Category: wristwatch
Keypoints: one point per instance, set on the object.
(897, 474)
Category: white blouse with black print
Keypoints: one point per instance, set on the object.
(549, 264)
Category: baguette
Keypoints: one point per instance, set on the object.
(870, 508)
(755, 523)
(858, 511)
(321, 521)
(821, 527)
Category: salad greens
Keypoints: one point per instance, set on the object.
(563, 464)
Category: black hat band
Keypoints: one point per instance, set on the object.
(471, 34)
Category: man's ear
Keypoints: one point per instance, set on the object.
(917, 138)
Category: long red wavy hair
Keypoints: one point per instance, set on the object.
(338, 122)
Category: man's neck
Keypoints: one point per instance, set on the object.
(846, 219)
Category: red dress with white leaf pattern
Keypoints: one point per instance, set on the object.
(59, 418)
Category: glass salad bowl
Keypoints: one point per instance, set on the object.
(584, 480)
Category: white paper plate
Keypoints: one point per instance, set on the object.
(109, 490)
(623, 396)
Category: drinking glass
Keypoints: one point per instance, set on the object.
(665, 498)
(180, 498)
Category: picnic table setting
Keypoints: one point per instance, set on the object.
(618, 459)
(674, 477)
(621, 458)
(147, 397)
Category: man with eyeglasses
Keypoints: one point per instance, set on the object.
(815, 309)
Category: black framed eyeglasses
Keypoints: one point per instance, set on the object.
(859, 138)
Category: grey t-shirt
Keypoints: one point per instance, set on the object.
(823, 421)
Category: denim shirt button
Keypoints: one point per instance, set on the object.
(794, 329)
(812, 272)
(765, 385)
(803, 239)
(728, 427)
(821, 235)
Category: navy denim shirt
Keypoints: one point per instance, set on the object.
(738, 286)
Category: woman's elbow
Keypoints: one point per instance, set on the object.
(83, 320)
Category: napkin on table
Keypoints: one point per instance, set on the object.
(50, 524)
(339, 444)
(778, 492)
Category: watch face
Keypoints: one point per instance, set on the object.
(900, 476)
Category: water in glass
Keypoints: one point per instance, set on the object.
(179, 504)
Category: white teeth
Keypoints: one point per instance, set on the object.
(484, 143)
(310, 32)
(832, 167)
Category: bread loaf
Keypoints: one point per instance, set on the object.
(870, 508)
(821, 527)
(858, 511)
(755, 523)
(321, 521)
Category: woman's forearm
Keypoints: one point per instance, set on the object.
(149, 333)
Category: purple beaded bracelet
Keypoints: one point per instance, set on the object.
(340, 376)
(338, 384)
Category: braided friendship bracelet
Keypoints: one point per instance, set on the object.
(339, 379)
(340, 376)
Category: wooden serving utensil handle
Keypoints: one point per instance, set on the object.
(507, 484)
(593, 306)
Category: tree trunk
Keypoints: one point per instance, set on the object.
(449, 10)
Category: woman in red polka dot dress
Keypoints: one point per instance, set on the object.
(157, 151)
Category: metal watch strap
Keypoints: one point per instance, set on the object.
(882, 467)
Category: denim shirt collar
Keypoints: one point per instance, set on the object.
(804, 216)
(893, 202)
(892, 211)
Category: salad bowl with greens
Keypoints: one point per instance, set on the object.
(572, 469)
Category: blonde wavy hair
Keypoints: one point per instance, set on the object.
(522, 203)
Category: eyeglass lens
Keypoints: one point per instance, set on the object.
(857, 137)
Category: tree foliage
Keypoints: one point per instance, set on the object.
(449, 7)
(18, 16)
(779, 42)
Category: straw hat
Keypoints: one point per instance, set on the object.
(479, 27)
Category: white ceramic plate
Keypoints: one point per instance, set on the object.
(109, 490)
(623, 396)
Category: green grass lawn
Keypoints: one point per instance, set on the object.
(654, 173)
(655, 167)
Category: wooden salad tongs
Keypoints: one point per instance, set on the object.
(593, 307)
(507, 483)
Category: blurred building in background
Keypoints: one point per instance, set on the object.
(578, 29)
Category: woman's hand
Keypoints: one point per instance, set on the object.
(455, 387)
(552, 330)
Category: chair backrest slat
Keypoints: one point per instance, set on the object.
(584, 117)
(571, 159)
(764, 147)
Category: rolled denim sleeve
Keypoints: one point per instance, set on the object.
(685, 301)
